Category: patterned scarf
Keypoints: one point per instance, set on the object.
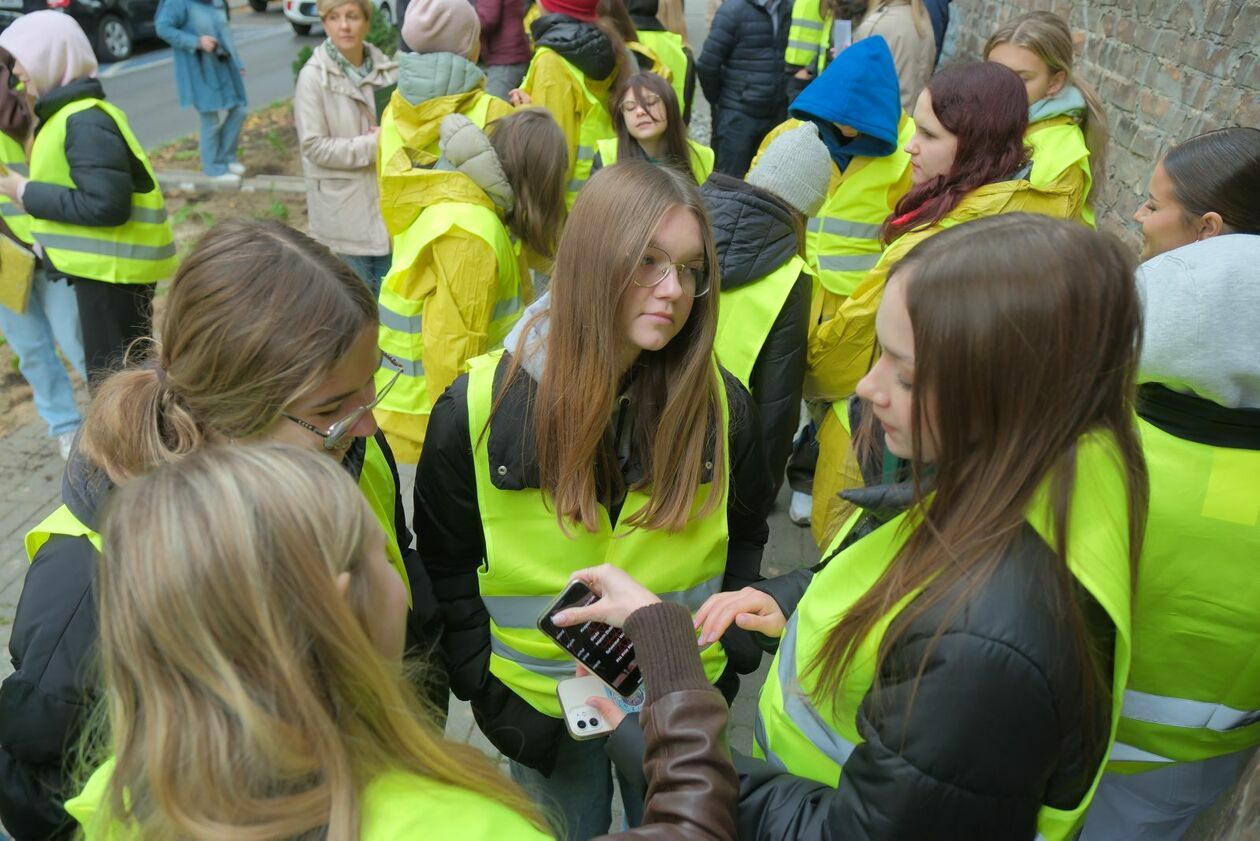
(356, 75)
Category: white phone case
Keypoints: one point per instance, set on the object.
(582, 720)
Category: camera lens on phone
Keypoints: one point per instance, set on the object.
(594, 722)
(581, 724)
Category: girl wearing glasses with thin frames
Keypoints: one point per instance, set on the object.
(265, 336)
(650, 127)
(604, 433)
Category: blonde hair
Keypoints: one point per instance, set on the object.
(255, 318)
(675, 389)
(1047, 35)
(324, 7)
(245, 697)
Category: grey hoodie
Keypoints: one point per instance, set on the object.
(1201, 304)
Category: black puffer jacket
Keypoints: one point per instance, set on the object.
(104, 171)
(755, 236)
(452, 547)
(52, 648)
(741, 65)
(996, 728)
(581, 44)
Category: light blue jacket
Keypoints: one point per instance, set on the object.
(201, 79)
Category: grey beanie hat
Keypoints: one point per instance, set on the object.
(796, 167)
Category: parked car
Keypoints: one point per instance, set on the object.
(113, 26)
(302, 15)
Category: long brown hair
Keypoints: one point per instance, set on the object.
(535, 158)
(674, 390)
(1047, 35)
(985, 106)
(245, 696)
(676, 151)
(255, 318)
(1026, 337)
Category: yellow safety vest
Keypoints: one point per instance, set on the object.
(1194, 690)
(842, 240)
(391, 138)
(13, 156)
(595, 126)
(402, 316)
(809, 36)
(393, 805)
(747, 314)
(141, 250)
(529, 558)
(668, 47)
(810, 739)
(375, 480)
(1058, 144)
(701, 157)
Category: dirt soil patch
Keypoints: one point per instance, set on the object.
(268, 147)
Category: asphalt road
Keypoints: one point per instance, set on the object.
(144, 85)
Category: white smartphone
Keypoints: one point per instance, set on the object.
(582, 720)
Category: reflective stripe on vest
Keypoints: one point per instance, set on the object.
(842, 241)
(13, 156)
(668, 47)
(809, 36)
(376, 481)
(1194, 689)
(748, 312)
(402, 318)
(813, 738)
(1058, 144)
(61, 521)
(596, 124)
(529, 559)
(701, 157)
(141, 250)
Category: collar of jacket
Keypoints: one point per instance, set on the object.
(406, 193)
(511, 445)
(334, 79)
(753, 236)
(581, 44)
(1193, 418)
(426, 76)
(57, 99)
(647, 23)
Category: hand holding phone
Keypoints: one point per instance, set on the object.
(619, 596)
(604, 650)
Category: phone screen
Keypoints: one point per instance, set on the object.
(605, 651)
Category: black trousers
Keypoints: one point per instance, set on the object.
(736, 136)
(111, 317)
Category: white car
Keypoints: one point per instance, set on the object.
(302, 14)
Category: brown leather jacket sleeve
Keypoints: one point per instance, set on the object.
(692, 786)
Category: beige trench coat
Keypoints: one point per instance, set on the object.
(334, 125)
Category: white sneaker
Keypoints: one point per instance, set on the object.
(226, 178)
(236, 169)
(800, 508)
(64, 442)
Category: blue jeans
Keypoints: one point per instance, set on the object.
(579, 791)
(51, 319)
(371, 268)
(218, 139)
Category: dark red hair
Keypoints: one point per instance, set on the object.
(985, 105)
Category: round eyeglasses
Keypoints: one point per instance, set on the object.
(336, 434)
(654, 267)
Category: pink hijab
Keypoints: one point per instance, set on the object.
(51, 47)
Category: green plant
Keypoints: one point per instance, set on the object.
(383, 35)
(277, 210)
(303, 56)
(185, 155)
(183, 214)
(276, 141)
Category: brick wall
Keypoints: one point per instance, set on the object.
(1166, 70)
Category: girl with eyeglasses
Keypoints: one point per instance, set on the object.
(265, 336)
(604, 433)
(650, 127)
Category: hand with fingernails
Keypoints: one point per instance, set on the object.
(748, 608)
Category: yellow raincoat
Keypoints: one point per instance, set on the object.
(454, 278)
(413, 129)
(841, 348)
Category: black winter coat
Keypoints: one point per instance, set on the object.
(104, 171)
(996, 729)
(581, 44)
(754, 236)
(54, 685)
(741, 65)
(452, 548)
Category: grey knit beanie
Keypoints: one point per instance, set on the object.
(796, 167)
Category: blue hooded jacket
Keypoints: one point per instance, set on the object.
(859, 89)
